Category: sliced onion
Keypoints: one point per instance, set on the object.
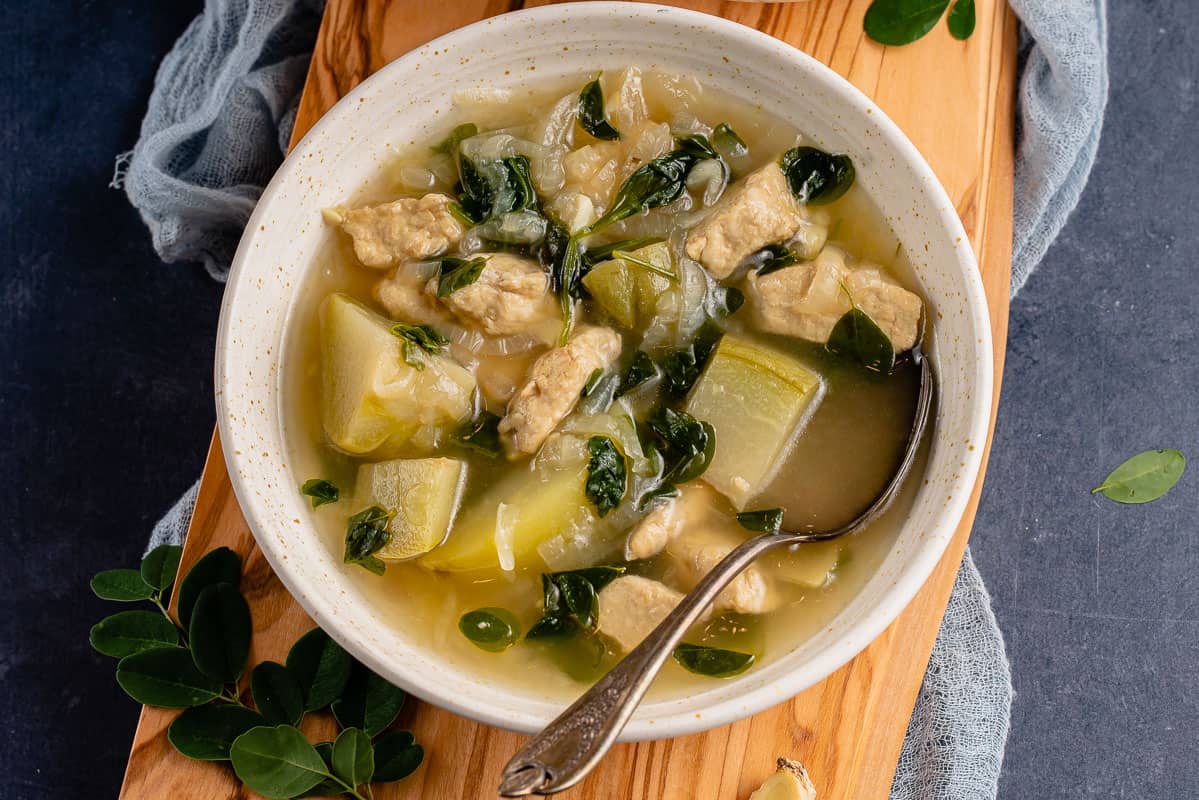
(414, 177)
(505, 521)
(711, 176)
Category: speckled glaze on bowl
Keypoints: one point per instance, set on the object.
(404, 103)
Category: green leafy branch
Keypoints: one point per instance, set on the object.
(197, 664)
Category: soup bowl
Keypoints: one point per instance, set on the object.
(407, 102)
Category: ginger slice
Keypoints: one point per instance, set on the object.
(791, 782)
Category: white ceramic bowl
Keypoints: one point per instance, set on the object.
(400, 104)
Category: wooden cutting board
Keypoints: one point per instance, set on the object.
(955, 101)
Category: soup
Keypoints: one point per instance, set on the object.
(560, 362)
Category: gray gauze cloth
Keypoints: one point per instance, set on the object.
(216, 129)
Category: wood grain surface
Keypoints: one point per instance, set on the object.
(955, 101)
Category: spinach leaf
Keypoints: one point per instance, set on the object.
(607, 478)
(641, 370)
(475, 193)
(321, 491)
(159, 566)
(772, 258)
(219, 633)
(457, 273)
(122, 585)
(899, 22)
(482, 435)
(570, 600)
(712, 661)
(449, 145)
(277, 762)
(1143, 478)
(320, 666)
(491, 629)
(727, 300)
(521, 180)
(603, 252)
(367, 534)
(857, 337)
(417, 338)
(368, 701)
(961, 19)
(277, 693)
(690, 443)
(681, 369)
(397, 755)
(205, 733)
(695, 144)
(816, 177)
(660, 492)
(552, 626)
(353, 757)
(132, 632)
(221, 565)
(768, 520)
(728, 142)
(579, 598)
(656, 183)
(567, 273)
(165, 677)
(591, 112)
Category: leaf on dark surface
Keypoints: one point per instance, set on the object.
(397, 755)
(276, 762)
(160, 565)
(1143, 478)
(132, 632)
(320, 666)
(205, 733)
(353, 757)
(122, 585)
(165, 677)
(367, 701)
(221, 565)
(277, 694)
(220, 631)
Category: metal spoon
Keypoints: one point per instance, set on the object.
(570, 746)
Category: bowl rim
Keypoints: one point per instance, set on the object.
(891, 601)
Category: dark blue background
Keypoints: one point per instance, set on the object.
(106, 409)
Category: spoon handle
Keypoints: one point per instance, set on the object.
(570, 746)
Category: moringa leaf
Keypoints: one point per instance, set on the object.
(695, 144)
(654, 184)
(726, 140)
(594, 255)
(816, 177)
(767, 520)
(961, 19)
(899, 22)
(591, 113)
(458, 273)
(607, 477)
(122, 585)
(353, 757)
(219, 633)
(417, 338)
(690, 443)
(772, 258)
(1144, 477)
(449, 145)
(491, 629)
(367, 701)
(397, 755)
(205, 733)
(321, 491)
(366, 534)
(320, 666)
(727, 300)
(132, 632)
(277, 693)
(165, 677)
(221, 565)
(641, 370)
(482, 435)
(520, 179)
(681, 369)
(277, 762)
(160, 565)
(713, 662)
(857, 337)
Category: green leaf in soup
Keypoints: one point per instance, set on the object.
(475, 196)
(603, 252)
(397, 755)
(961, 19)
(122, 585)
(353, 757)
(276, 762)
(858, 338)
(658, 493)
(366, 534)
(607, 477)
(681, 370)
(418, 338)
(553, 626)
(726, 140)
(321, 667)
(767, 520)
(160, 565)
(727, 300)
(458, 273)
(321, 491)
(772, 258)
(695, 144)
(1144, 477)
(578, 598)
(712, 661)
(598, 576)
(449, 145)
(641, 370)
(220, 565)
(566, 275)
(277, 693)
(593, 381)
(520, 178)
(816, 177)
(165, 677)
(591, 114)
(490, 629)
(368, 701)
(899, 22)
(219, 633)
(132, 632)
(654, 184)
(690, 443)
(482, 434)
(205, 733)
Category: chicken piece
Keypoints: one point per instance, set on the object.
(552, 387)
(407, 229)
(803, 300)
(698, 549)
(760, 210)
(655, 530)
(631, 606)
(403, 295)
(892, 307)
(510, 296)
